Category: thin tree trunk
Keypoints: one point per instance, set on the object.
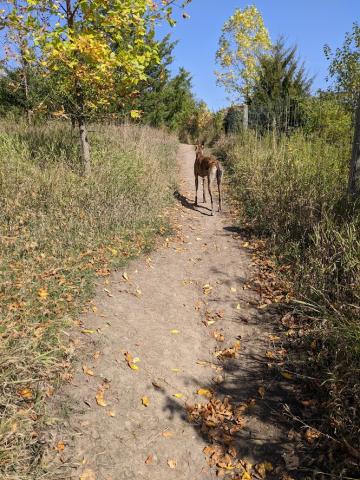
(354, 174)
(85, 147)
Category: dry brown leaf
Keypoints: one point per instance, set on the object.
(261, 391)
(87, 474)
(88, 371)
(219, 337)
(311, 435)
(100, 400)
(172, 463)
(150, 459)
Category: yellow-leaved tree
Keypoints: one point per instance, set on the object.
(92, 50)
(244, 38)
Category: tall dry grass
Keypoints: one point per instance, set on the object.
(57, 232)
(293, 192)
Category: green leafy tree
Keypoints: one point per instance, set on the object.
(243, 40)
(344, 66)
(280, 86)
(83, 45)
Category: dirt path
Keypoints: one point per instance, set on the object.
(159, 316)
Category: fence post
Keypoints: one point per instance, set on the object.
(354, 174)
(245, 116)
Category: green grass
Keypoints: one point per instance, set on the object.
(58, 232)
(294, 194)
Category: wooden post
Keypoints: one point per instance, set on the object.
(245, 116)
(354, 174)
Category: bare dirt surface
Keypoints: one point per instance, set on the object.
(164, 314)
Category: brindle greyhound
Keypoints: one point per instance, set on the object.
(210, 167)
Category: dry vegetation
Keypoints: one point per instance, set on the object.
(57, 232)
(293, 194)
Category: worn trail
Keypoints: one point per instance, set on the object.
(164, 312)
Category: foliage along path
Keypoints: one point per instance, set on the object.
(174, 384)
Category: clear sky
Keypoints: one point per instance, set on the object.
(308, 23)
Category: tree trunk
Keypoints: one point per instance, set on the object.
(85, 147)
(354, 175)
(245, 116)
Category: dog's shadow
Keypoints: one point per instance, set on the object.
(187, 204)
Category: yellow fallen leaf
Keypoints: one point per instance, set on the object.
(87, 475)
(178, 395)
(26, 393)
(136, 360)
(134, 367)
(174, 331)
(60, 447)
(88, 371)
(287, 375)
(145, 401)
(238, 306)
(263, 468)
(207, 289)
(87, 331)
(125, 276)
(176, 370)
(111, 413)
(43, 293)
(261, 391)
(100, 400)
(233, 289)
(167, 434)
(138, 292)
(172, 463)
(246, 476)
(205, 392)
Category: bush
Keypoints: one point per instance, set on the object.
(294, 193)
(57, 231)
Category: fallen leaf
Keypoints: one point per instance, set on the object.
(149, 460)
(60, 447)
(205, 392)
(233, 289)
(287, 375)
(145, 401)
(167, 434)
(26, 393)
(125, 276)
(100, 400)
(87, 331)
(238, 306)
(207, 289)
(43, 293)
(263, 468)
(131, 361)
(219, 336)
(176, 370)
(174, 331)
(138, 292)
(178, 395)
(246, 476)
(88, 371)
(88, 475)
(311, 435)
(111, 413)
(261, 391)
(172, 463)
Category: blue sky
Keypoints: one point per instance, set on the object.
(308, 23)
